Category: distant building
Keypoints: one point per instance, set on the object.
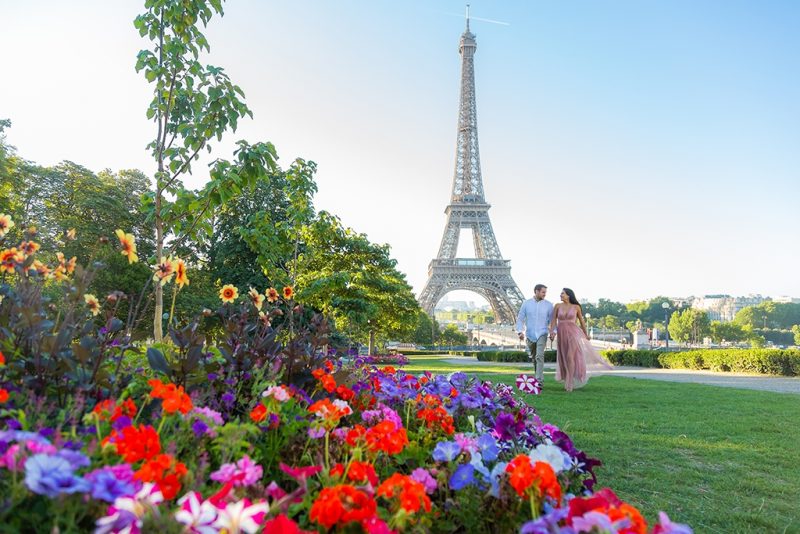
(725, 307)
(786, 300)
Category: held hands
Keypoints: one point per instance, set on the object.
(552, 336)
(521, 336)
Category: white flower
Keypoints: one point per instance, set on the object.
(139, 505)
(238, 517)
(198, 517)
(343, 406)
(279, 393)
(550, 454)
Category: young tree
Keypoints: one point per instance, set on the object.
(192, 104)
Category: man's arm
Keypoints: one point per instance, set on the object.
(521, 316)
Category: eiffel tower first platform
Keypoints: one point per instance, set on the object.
(487, 274)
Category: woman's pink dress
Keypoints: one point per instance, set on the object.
(575, 352)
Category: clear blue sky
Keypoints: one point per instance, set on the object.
(629, 148)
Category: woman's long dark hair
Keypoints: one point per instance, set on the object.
(571, 294)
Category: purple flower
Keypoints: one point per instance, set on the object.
(547, 523)
(316, 433)
(463, 476)
(51, 475)
(199, 428)
(211, 377)
(212, 415)
(228, 398)
(507, 427)
(487, 446)
(424, 477)
(108, 486)
(123, 421)
(446, 451)
(76, 459)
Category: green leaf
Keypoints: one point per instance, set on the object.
(157, 361)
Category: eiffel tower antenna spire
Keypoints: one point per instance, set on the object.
(487, 274)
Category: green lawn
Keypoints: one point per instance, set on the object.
(723, 460)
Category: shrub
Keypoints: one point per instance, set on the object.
(511, 356)
(762, 361)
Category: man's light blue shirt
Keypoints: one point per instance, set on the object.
(535, 315)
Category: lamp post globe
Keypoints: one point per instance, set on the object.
(665, 306)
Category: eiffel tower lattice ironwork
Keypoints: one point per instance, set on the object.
(487, 274)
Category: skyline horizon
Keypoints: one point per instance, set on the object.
(593, 114)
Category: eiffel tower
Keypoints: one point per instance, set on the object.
(487, 274)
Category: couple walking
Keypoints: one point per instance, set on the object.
(538, 319)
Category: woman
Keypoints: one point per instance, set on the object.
(575, 352)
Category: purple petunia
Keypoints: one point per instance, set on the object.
(463, 476)
(109, 483)
(51, 476)
(446, 451)
(488, 448)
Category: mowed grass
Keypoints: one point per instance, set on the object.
(721, 459)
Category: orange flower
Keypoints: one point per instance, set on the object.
(329, 411)
(92, 303)
(66, 266)
(2, 359)
(164, 271)
(9, 259)
(256, 298)
(29, 247)
(165, 471)
(411, 493)
(288, 292)
(128, 246)
(135, 443)
(259, 413)
(6, 224)
(228, 293)
(180, 273)
(3, 396)
(272, 294)
(173, 398)
(71, 234)
(341, 504)
(40, 268)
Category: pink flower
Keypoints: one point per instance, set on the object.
(245, 472)
(424, 477)
(300, 472)
(9, 459)
(127, 513)
(467, 443)
(278, 392)
(665, 526)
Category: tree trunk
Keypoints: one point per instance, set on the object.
(371, 349)
(158, 333)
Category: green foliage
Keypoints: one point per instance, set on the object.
(354, 281)
(689, 325)
(511, 356)
(796, 332)
(762, 361)
(451, 335)
(426, 331)
(724, 331)
(773, 315)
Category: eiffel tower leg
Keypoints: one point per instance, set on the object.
(449, 245)
(430, 295)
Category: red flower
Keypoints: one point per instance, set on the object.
(282, 525)
(3, 396)
(341, 504)
(300, 473)
(135, 443)
(357, 472)
(386, 437)
(411, 493)
(606, 501)
(354, 435)
(165, 471)
(259, 413)
(345, 393)
(539, 476)
(173, 398)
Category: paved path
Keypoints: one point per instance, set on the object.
(777, 384)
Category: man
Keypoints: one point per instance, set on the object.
(535, 315)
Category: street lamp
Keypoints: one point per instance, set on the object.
(665, 305)
(588, 324)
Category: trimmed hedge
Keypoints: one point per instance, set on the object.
(761, 361)
(511, 356)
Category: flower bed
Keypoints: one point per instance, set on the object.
(381, 450)
(261, 431)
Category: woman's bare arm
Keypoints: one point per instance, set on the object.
(583, 322)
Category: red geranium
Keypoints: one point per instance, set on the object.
(135, 443)
(173, 398)
(411, 493)
(341, 504)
